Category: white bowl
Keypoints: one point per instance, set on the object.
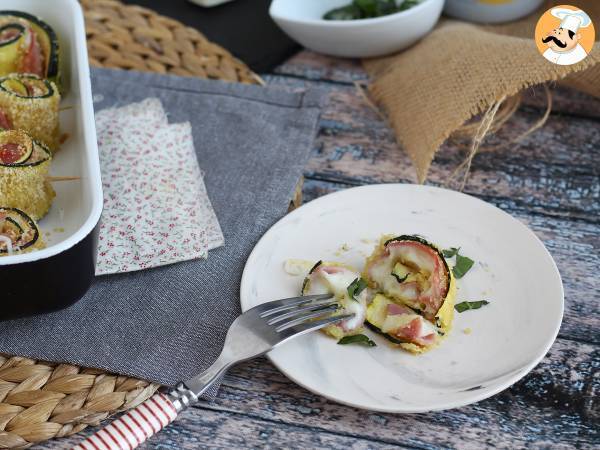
(491, 12)
(303, 21)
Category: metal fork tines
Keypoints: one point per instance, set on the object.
(261, 329)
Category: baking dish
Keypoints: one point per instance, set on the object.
(58, 275)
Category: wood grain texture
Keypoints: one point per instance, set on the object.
(555, 171)
(307, 65)
(551, 182)
(553, 407)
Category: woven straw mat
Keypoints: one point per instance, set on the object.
(40, 400)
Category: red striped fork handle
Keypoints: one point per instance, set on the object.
(133, 428)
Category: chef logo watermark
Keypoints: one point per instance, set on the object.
(565, 35)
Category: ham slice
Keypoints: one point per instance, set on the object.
(428, 294)
(10, 153)
(5, 122)
(417, 330)
(394, 309)
(33, 60)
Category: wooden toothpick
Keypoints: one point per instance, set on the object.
(53, 179)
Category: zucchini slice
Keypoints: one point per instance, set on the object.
(14, 54)
(15, 152)
(413, 272)
(17, 148)
(24, 168)
(12, 40)
(31, 104)
(18, 232)
(27, 86)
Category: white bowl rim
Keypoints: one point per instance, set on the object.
(354, 22)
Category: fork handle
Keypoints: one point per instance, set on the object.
(133, 428)
(139, 424)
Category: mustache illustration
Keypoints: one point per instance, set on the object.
(556, 41)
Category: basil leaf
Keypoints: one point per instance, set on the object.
(356, 287)
(357, 339)
(465, 306)
(349, 12)
(407, 4)
(463, 263)
(449, 253)
(385, 7)
(400, 279)
(367, 7)
(462, 266)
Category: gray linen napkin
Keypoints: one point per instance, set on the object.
(169, 323)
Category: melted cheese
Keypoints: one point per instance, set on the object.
(8, 242)
(321, 282)
(297, 266)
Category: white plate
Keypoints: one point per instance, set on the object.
(513, 270)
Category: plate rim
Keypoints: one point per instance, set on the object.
(508, 380)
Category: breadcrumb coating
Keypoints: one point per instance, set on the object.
(24, 186)
(37, 115)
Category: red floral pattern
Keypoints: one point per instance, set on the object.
(156, 207)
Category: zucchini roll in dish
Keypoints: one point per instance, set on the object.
(31, 104)
(349, 290)
(24, 165)
(18, 232)
(417, 291)
(28, 45)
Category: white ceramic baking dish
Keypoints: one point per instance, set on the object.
(60, 274)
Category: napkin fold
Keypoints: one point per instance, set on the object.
(156, 207)
(169, 323)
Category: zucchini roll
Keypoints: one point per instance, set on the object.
(30, 103)
(28, 45)
(401, 325)
(349, 290)
(24, 165)
(413, 272)
(18, 232)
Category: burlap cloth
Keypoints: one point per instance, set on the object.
(461, 70)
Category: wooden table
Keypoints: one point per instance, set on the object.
(551, 182)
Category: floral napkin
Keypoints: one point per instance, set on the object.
(156, 207)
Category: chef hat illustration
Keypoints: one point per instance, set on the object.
(571, 19)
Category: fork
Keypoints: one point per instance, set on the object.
(252, 334)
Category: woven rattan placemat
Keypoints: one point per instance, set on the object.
(131, 37)
(39, 400)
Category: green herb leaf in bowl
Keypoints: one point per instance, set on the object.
(368, 9)
(348, 12)
(407, 4)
